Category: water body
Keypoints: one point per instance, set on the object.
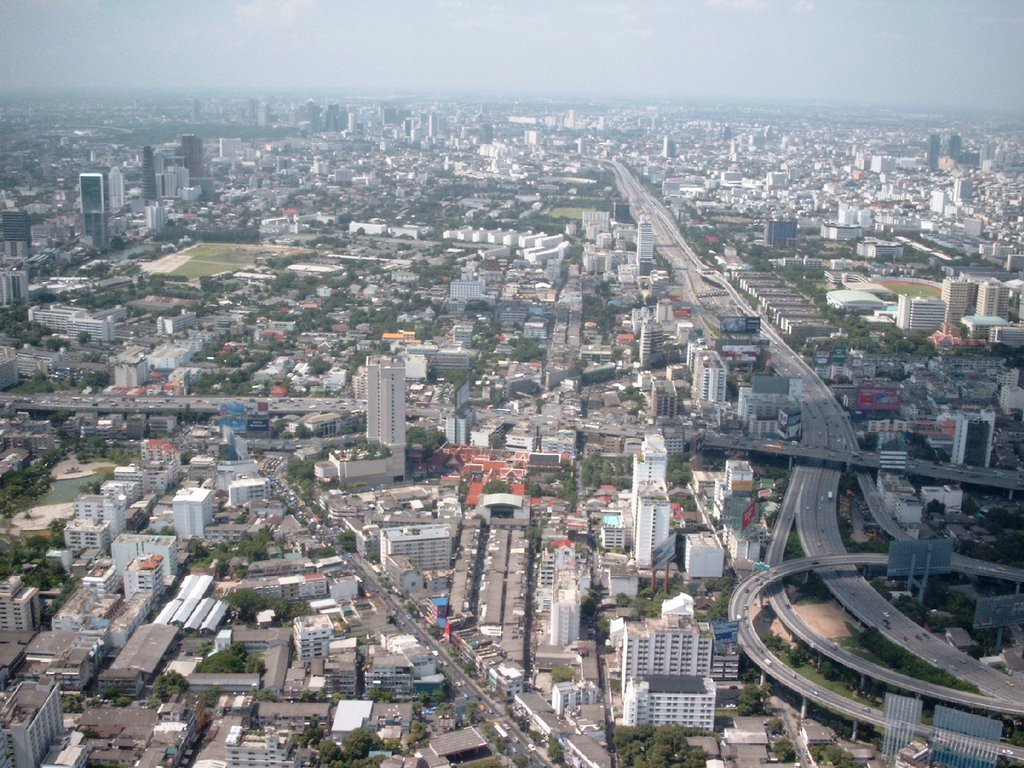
(65, 490)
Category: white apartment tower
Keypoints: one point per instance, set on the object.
(709, 377)
(960, 296)
(644, 247)
(673, 645)
(993, 299)
(30, 720)
(650, 507)
(385, 401)
(193, 511)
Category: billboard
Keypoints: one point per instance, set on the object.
(789, 422)
(878, 398)
(664, 553)
(741, 324)
(725, 631)
(999, 611)
(840, 355)
(739, 353)
(822, 357)
(750, 515)
(911, 557)
(257, 425)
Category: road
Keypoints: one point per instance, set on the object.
(812, 492)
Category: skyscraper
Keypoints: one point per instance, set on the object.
(192, 151)
(92, 187)
(149, 192)
(385, 401)
(954, 146)
(972, 441)
(652, 344)
(644, 247)
(13, 287)
(993, 299)
(115, 181)
(934, 150)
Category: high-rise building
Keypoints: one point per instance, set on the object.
(960, 296)
(709, 377)
(686, 700)
(652, 344)
(13, 287)
(385, 401)
(954, 146)
(192, 151)
(919, 314)
(993, 299)
(780, 232)
(672, 645)
(149, 190)
(565, 610)
(972, 441)
(30, 719)
(621, 212)
(963, 190)
(193, 511)
(16, 232)
(92, 187)
(429, 547)
(115, 181)
(651, 509)
(933, 151)
(644, 247)
(261, 749)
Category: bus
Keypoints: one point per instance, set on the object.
(500, 731)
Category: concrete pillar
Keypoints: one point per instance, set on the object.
(853, 736)
(762, 681)
(803, 707)
(862, 681)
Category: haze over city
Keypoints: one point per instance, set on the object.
(915, 53)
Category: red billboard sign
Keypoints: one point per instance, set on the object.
(879, 399)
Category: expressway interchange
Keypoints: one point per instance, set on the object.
(810, 505)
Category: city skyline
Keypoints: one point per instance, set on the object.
(918, 54)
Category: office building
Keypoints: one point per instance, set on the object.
(13, 287)
(644, 247)
(972, 440)
(93, 191)
(993, 299)
(19, 606)
(30, 720)
(685, 700)
(919, 314)
(960, 296)
(192, 152)
(428, 547)
(73, 321)
(193, 511)
(155, 216)
(8, 367)
(261, 749)
(385, 401)
(963, 190)
(115, 182)
(149, 189)
(954, 146)
(16, 232)
(780, 232)
(110, 508)
(621, 213)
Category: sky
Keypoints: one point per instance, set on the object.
(964, 54)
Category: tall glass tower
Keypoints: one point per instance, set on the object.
(94, 207)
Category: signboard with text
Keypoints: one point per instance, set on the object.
(741, 324)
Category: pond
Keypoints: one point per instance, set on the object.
(65, 490)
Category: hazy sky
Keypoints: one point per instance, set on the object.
(917, 52)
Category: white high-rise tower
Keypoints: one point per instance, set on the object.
(644, 247)
(385, 401)
(651, 509)
(115, 184)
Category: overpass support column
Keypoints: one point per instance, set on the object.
(763, 678)
(862, 681)
(853, 736)
(791, 463)
(803, 708)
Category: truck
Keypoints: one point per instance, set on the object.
(830, 495)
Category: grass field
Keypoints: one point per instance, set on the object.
(913, 289)
(213, 258)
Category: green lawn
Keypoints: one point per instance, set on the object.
(214, 258)
(914, 290)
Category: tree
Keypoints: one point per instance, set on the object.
(555, 751)
(359, 743)
(84, 337)
(784, 750)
